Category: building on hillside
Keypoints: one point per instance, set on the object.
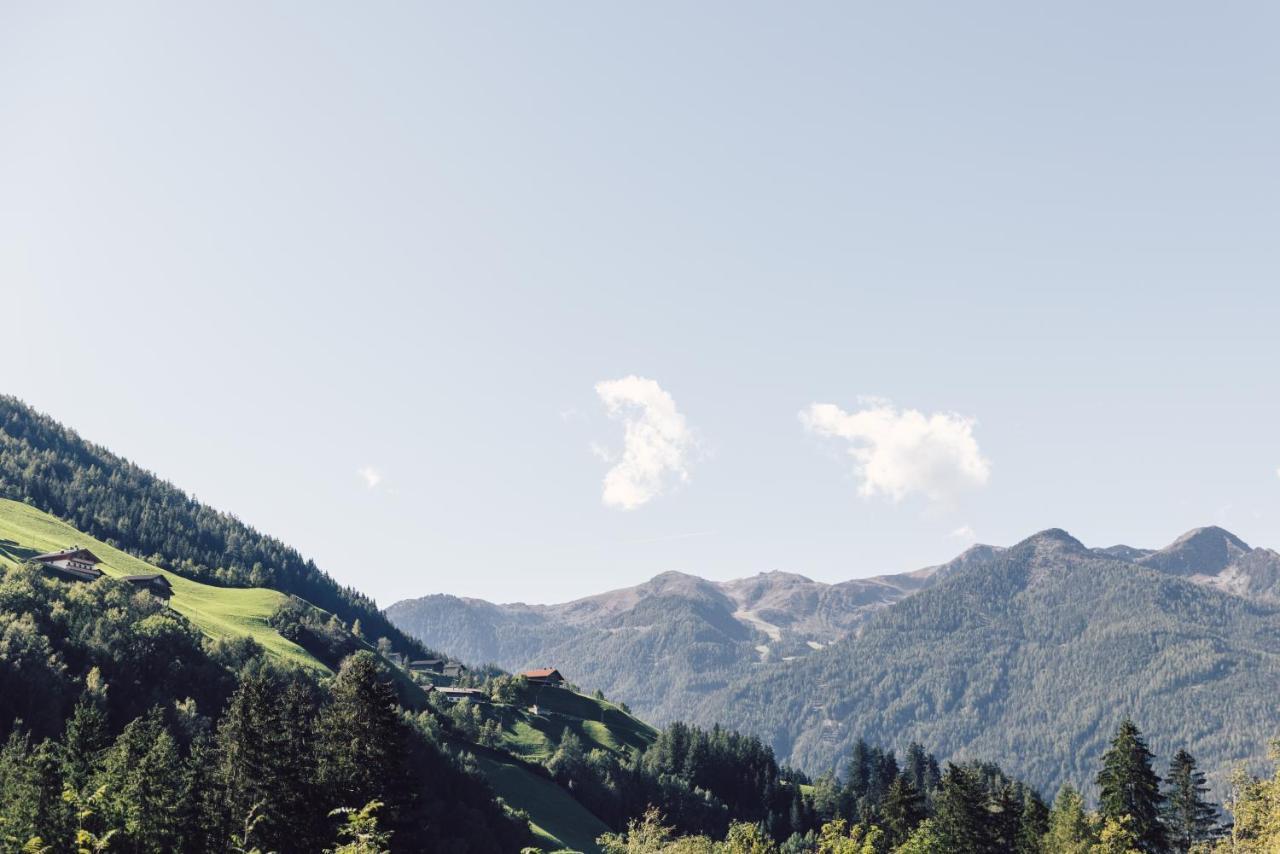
(152, 582)
(75, 562)
(544, 676)
(453, 695)
(454, 670)
(427, 665)
(398, 659)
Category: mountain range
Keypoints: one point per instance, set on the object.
(1028, 655)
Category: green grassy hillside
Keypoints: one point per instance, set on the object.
(219, 612)
(557, 820)
(598, 723)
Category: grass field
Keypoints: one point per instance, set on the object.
(557, 819)
(597, 723)
(219, 612)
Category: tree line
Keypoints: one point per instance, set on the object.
(880, 807)
(52, 468)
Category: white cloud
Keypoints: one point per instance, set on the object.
(965, 533)
(898, 453)
(372, 477)
(656, 442)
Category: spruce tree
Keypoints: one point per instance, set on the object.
(902, 810)
(142, 775)
(961, 812)
(1129, 786)
(362, 739)
(1033, 823)
(85, 738)
(914, 765)
(1187, 815)
(1004, 817)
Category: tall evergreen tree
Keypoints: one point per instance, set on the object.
(249, 762)
(142, 777)
(961, 812)
(1004, 817)
(1033, 823)
(1129, 786)
(1188, 816)
(362, 739)
(902, 810)
(85, 738)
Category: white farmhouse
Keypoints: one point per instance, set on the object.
(75, 562)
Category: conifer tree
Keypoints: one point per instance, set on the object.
(1129, 786)
(1033, 823)
(141, 775)
(362, 739)
(961, 813)
(902, 810)
(1004, 817)
(246, 756)
(1188, 817)
(85, 738)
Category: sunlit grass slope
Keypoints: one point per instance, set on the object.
(219, 612)
(598, 723)
(557, 820)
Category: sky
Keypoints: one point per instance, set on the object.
(531, 301)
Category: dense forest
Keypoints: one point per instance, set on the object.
(974, 808)
(123, 730)
(51, 467)
(1030, 657)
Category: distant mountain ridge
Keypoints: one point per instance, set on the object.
(785, 612)
(812, 666)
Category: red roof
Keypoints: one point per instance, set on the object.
(542, 673)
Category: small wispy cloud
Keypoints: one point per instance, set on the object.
(900, 452)
(656, 442)
(371, 476)
(965, 534)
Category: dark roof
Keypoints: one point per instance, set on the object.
(90, 574)
(150, 579)
(75, 551)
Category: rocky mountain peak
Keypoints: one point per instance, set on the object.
(1203, 551)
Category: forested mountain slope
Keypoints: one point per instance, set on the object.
(1029, 658)
(116, 501)
(662, 644)
(1024, 655)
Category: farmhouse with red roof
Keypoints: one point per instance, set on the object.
(544, 676)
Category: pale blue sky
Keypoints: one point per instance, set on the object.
(260, 247)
